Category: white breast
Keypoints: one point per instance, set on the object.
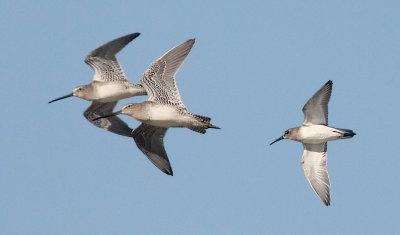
(109, 92)
(166, 116)
(315, 134)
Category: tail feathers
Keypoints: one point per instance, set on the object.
(199, 129)
(347, 133)
(205, 123)
(202, 118)
(209, 125)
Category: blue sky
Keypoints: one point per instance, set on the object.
(253, 67)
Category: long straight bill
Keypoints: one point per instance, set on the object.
(110, 115)
(62, 97)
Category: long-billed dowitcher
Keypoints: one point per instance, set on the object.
(109, 85)
(163, 107)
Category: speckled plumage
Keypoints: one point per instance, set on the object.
(163, 107)
(109, 85)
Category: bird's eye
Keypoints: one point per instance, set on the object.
(286, 132)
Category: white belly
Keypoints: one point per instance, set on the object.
(165, 116)
(110, 92)
(316, 134)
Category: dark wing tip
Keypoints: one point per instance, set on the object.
(133, 35)
(127, 38)
(326, 199)
(111, 48)
(327, 202)
(168, 172)
(328, 85)
(192, 40)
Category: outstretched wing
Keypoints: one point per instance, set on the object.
(104, 63)
(113, 124)
(316, 109)
(159, 78)
(150, 140)
(314, 163)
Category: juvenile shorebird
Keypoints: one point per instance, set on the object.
(314, 134)
(163, 107)
(109, 85)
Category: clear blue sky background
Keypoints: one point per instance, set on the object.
(253, 67)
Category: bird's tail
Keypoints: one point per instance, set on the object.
(205, 124)
(209, 125)
(205, 121)
(347, 133)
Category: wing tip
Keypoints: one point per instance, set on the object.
(327, 201)
(189, 42)
(111, 48)
(132, 36)
(168, 171)
(328, 85)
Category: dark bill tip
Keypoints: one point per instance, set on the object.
(62, 97)
(106, 116)
(280, 138)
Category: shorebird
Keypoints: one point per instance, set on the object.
(314, 133)
(109, 85)
(163, 107)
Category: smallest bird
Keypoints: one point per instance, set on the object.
(314, 133)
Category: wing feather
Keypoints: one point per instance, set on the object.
(316, 109)
(150, 140)
(314, 164)
(159, 79)
(104, 63)
(113, 124)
